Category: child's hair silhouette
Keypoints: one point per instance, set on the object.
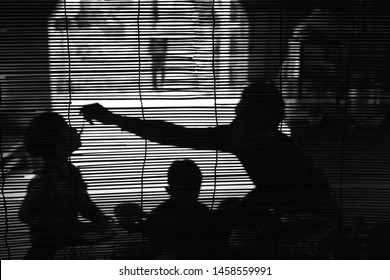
(179, 227)
(47, 132)
(184, 180)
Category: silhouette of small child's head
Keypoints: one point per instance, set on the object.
(49, 135)
(128, 215)
(184, 180)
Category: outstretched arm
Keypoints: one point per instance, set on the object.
(160, 131)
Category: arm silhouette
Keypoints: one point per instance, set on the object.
(166, 133)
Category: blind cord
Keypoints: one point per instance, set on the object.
(142, 112)
(345, 128)
(3, 185)
(215, 45)
(281, 56)
(68, 107)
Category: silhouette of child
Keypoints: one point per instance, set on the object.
(57, 195)
(178, 228)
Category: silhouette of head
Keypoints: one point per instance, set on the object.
(49, 135)
(259, 112)
(184, 180)
(262, 105)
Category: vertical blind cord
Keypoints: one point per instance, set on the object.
(3, 185)
(68, 107)
(215, 100)
(345, 127)
(281, 55)
(142, 110)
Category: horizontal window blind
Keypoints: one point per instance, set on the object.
(187, 62)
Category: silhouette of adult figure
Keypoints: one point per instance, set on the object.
(179, 227)
(285, 179)
(159, 40)
(158, 48)
(57, 194)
